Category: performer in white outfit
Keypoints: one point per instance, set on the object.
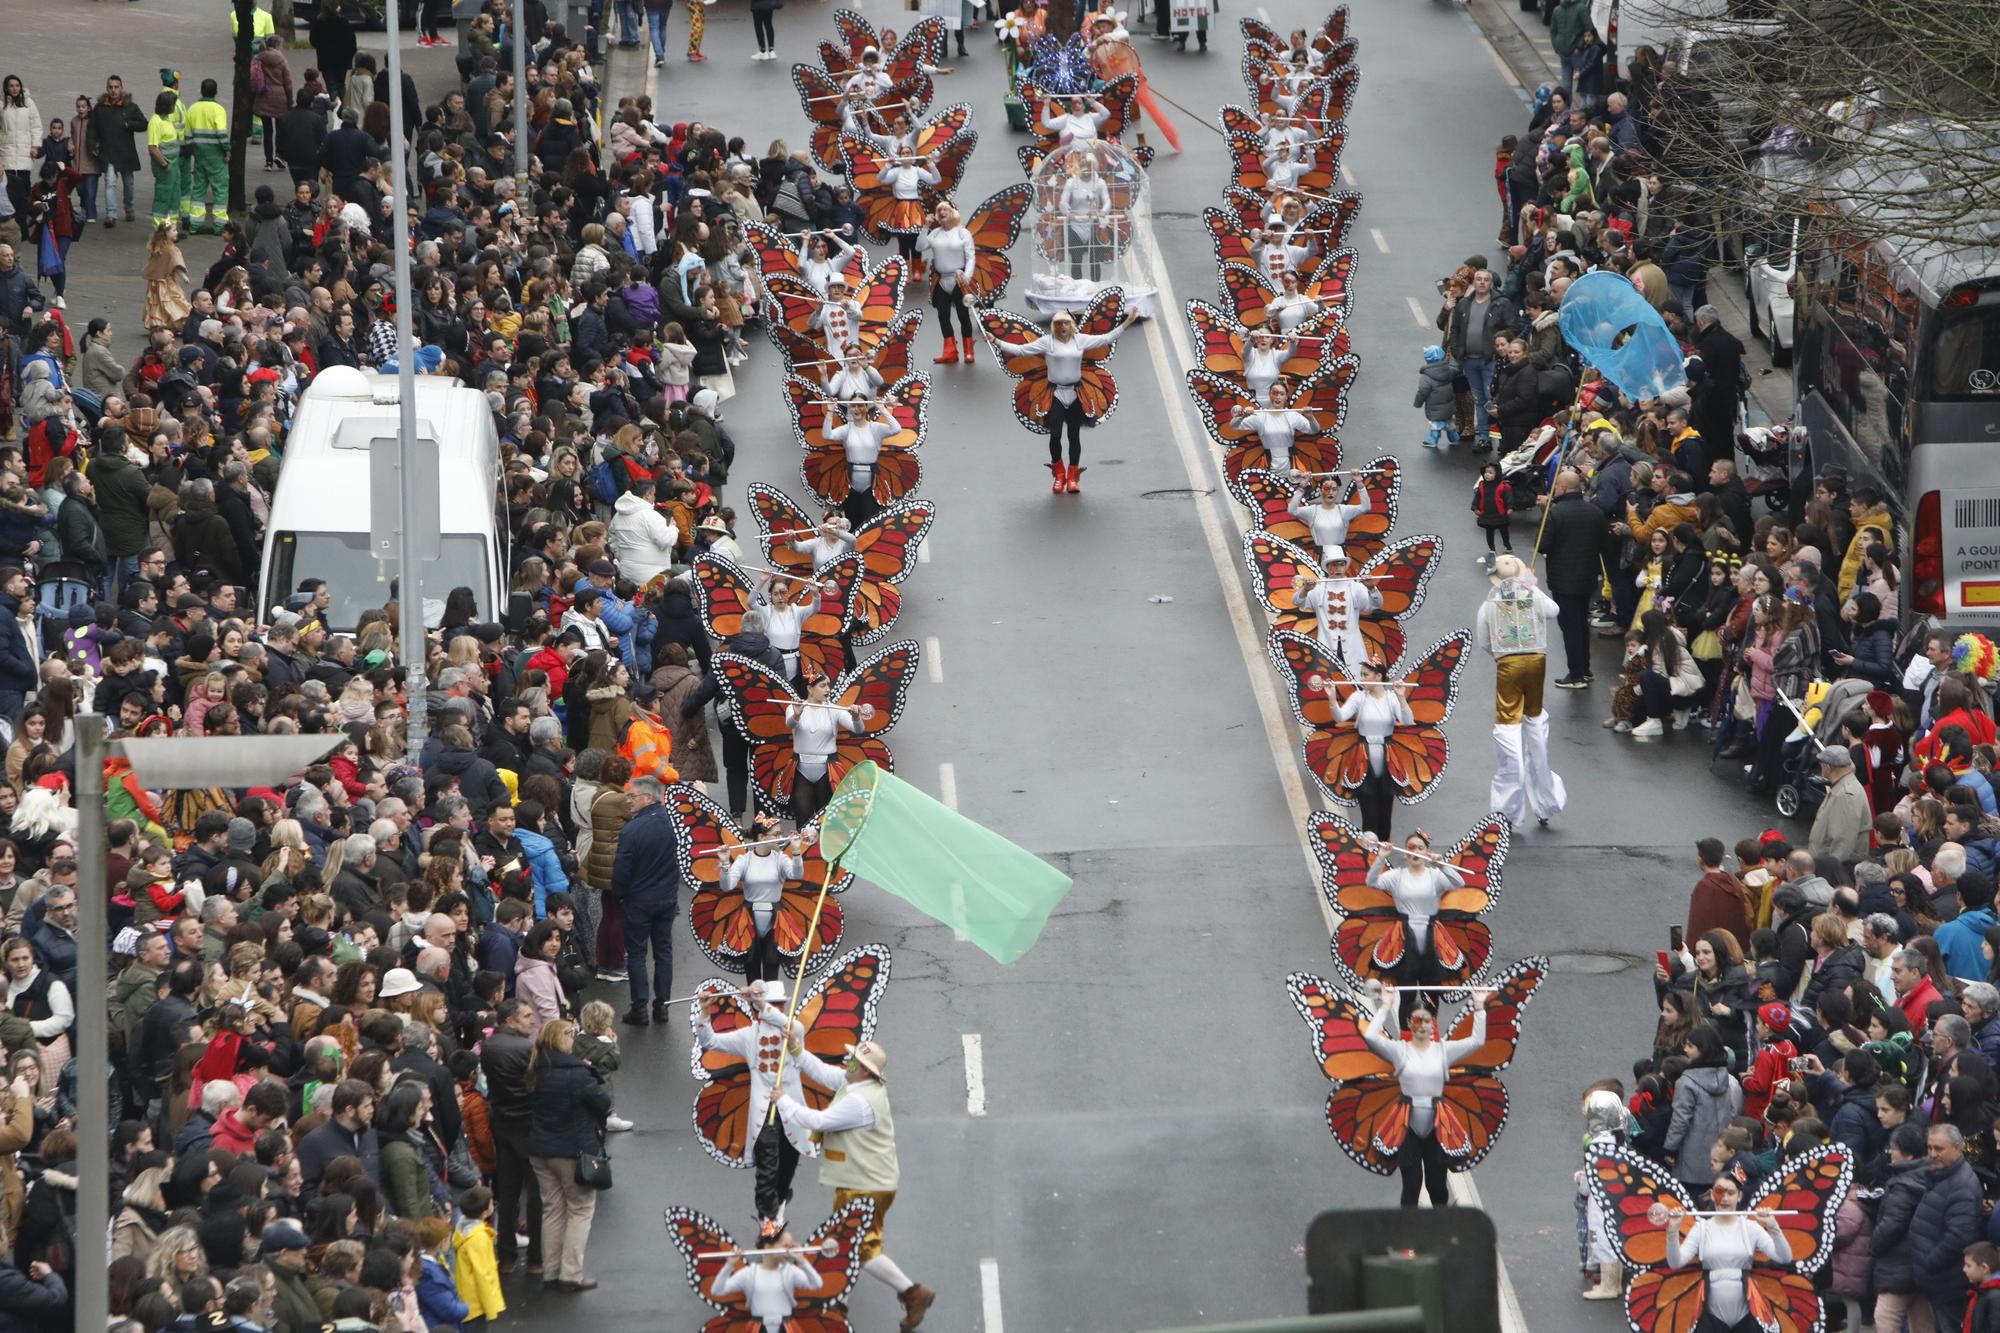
(1291, 307)
(1277, 426)
(1279, 129)
(871, 80)
(1062, 349)
(1282, 171)
(907, 182)
(786, 602)
(1084, 118)
(1726, 1248)
(1376, 709)
(858, 1133)
(830, 541)
(769, 1287)
(816, 729)
(860, 437)
(1338, 602)
(1513, 624)
(1417, 883)
(775, 1145)
(1328, 517)
(1279, 253)
(949, 249)
(1264, 361)
(839, 318)
(1422, 1065)
(826, 256)
(760, 875)
(854, 379)
(1086, 207)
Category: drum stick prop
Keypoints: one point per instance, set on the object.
(831, 869)
(826, 1249)
(783, 574)
(1659, 1213)
(793, 532)
(761, 842)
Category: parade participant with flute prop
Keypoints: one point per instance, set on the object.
(853, 378)
(1064, 384)
(759, 871)
(1743, 1265)
(1337, 601)
(838, 318)
(907, 179)
(1277, 425)
(860, 430)
(769, 1287)
(816, 723)
(772, 1294)
(1329, 517)
(1426, 1104)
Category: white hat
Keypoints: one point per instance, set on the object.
(398, 981)
(713, 524)
(774, 991)
(1336, 553)
(870, 1056)
(1507, 566)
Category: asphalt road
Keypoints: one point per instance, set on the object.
(1152, 1146)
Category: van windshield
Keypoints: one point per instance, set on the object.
(1964, 361)
(359, 582)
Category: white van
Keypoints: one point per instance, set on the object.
(319, 515)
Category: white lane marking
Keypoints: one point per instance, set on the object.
(924, 551)
(1417, 312)
(934, 659)
(1347, 174)
(948, 785)
(958, 913)
(1265, 15)
(975, 1075)
(1249, 641)
(989, 1296)
(1381, 241)
(1277, 733)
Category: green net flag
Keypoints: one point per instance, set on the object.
(995, 894)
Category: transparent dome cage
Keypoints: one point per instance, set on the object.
(1091, 198)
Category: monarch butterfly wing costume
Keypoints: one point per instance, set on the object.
(950, 161)
(1460, 942)
(757, 698)
(1334, 751)
(696, 1234)
(1400, 576)
(1219, 399)
(1416, 755)
(1096, 389)
(777, 257)
(1473, 1108)
(720, 920)
(1256, 30)
(1275, 566)
(840, 1010)
(939, 130)
(883, 682)
(1246, 293)
(1269, 501)
(822, 1309)
(792, 302)
(880, 296)
(1370, 940)
(722, 1102)
(896, 469)
(1322, 398)
(1322, 160)
(1230, 236)
(807, 401)
(995, 225)
(1366, 1110)
(778, 513)
(1332, 283)
(722, 594)
(820, 95)
(794, 915)
(821, 650)
(887, 545)
(1246, 163)
(856, 33)
(865, 164)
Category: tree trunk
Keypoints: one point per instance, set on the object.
(285, 20)
(242, 113)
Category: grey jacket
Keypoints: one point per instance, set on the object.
(1501, 318)
(1434, 391)
(1704, 1101)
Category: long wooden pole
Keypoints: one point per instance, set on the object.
(798, 984)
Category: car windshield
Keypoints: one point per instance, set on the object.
(359, 582)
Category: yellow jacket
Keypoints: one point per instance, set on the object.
(1883, 528)
(1670, 512)
(476, 1272)
(261, 25)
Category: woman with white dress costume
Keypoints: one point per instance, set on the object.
(1062, 349)
(947, 246)
(1422, 1064)
(816, 728)
(1725, 1248)
(760, 875)
(1376, 709)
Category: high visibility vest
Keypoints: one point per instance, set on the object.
(649, 745)
(208, 124)
(261, 25)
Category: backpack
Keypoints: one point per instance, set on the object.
(603, 482)
(258, 80)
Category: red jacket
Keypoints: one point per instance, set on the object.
(1771, 1069)
(1921, 997)
(233, 1135)
(550, 662)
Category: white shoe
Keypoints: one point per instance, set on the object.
(1648, 729)
(1680, 719)
(617, 1124)
(1621, 726)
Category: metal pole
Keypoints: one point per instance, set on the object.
(410, 591)
(92, 1287)
(522, 199)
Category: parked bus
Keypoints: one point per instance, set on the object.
(1897, 374)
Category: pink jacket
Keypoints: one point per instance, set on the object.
(1762, 687)
(1851, 1261)
(535, 981)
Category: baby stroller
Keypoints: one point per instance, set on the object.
(1525, 468)
(1818, 717)
(1767, 464)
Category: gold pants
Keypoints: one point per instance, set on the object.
(871, 1239)
(1517, 687)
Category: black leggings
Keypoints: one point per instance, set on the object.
(736, 771)
(944, 302)
(1088, 253)
(1376, 797)
(906, 246)
(860, 505)
(1421, 1162)
(1656, 698)
(776, 1162)
(764, 960)
(1506, 534)
(809, 796)
(269, 125)
(767, 35)
(1063, 414)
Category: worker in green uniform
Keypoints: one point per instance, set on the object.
(170, 82)
(163, 147)
(208, 135)
(262, 25)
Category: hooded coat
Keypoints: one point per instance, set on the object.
(1705, 1100)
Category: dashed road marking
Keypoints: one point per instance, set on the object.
(989, 1296)
(934, 659)
(975, 1075)
(1417, 312)
(1381, 241)
(948, 785)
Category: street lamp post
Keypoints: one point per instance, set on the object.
(523, 201)
(410, 592)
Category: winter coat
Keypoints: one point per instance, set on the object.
(1517, 395)
(1493, 502)
(1501, 317)
(478, 781)
(293, 1310)
(641, 539)
(694, 755)
(1834, 972)
(202, 540)
(1851, 1264)
(1572, 546)
(1719, 902)
(405, 1180)
(1704, 1100)
(1567, 24)
(1948, 1219)
(609, 812)
(643, 867)
(535, 981)
(121, 502)
(112, 126)
(276, 97)
(1843, 826)
(568, 1104)
(1434, 392)
(20, 135)
(1891, 1244)
(438, 1299)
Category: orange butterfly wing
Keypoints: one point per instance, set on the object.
(1667, 1301)
(1275, 566)
(1369, 1120)
(950, 162)
(1512, 989)
(758, 697)
(1246, 163)
(1258, 31)
(887, 545)
(721, 922)
(1470, 1115)
(821, 1308)
(1435, 678)
(1230, 236)
(1405, 567)
(820, 96)
(840, 1010)
(891, 347)
(1332, 283)
(1335, 1022)
(1479, 856)
(793, 302)
(1813, 1185)
(880, 295)
(883, 682)
(923, 44)
(1307, 670)
(722, 1117)
(1626, 1187)
(776, 255)
(1343, 863)
(695, 1234)
(856, 32)
(1784, 1302)
(864, 164)
(1247, 293)
(778, 512)
(1269, 502)
(940, 129)
(1219, 399)
(1322, 172)
(809, 409)
(995, 225)
(721, 594)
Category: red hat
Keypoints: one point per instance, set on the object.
(1776, 1016)
(1880, 702)
(1771, 835)
(53, 781)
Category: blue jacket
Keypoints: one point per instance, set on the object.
(634, 628)
(1982, 855)
(27, 1306)
(569, 1104)
(1959, 939)
(644, 866)
(17, 667)
(547, 868)
(437, 1298)
(497, 950)
(1854, 1121)
(1948, 1218)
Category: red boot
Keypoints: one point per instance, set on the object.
(949, 357)
(968, 349)
(1062, 478)
(1075, 475)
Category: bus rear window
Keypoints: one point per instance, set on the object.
(1964, 361)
